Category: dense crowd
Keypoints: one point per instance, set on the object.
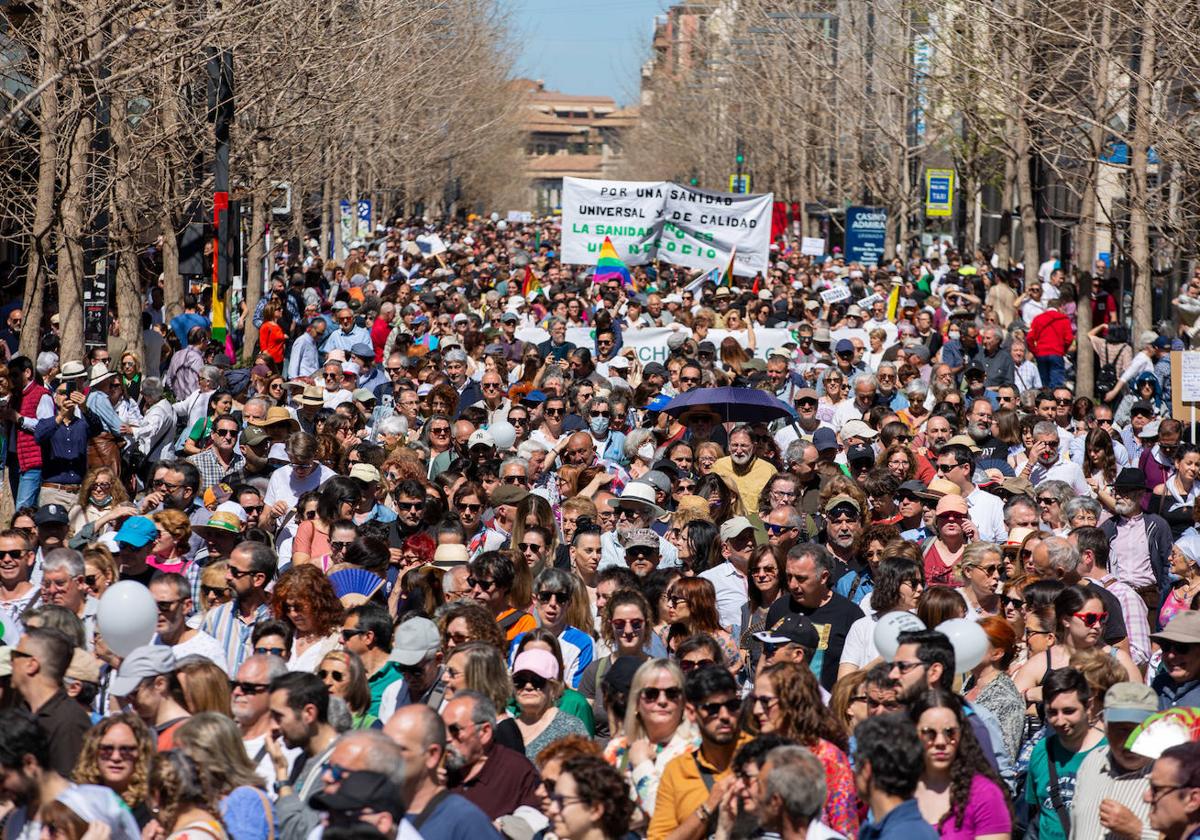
(423, 565)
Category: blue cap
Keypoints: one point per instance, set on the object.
(844, 345)
(534, 398)
(824, 439)
(1162, 342)
(658, 403)
(137, 531)
(420, 319)
(363, 350)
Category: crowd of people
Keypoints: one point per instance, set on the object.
(425, 567)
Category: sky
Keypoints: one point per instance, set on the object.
(585, 47)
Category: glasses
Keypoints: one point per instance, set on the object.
(340, 546)
(236, 573)
(1157, 792)
(764, 700)
(1167, 646)
(470, 508)
(562, 801)
(764, 572)
(733, 706)
(15, 554)
(553, 412)
(890, 705)
(632, 625)
(410, 505)
(350, 632)
(210, 591)
(518, 421)
(168, 606)
(1091, 619)
(689, 380)
(987, 570)
(930, 735)
(1047, 500)
(126, 751)
(225, 432)
(687, 665)
(628, 513)
(250, 687)
(1015, 603)
(530, 679)
(439, 430)
(651, 695)
(270, 651)
(1030, 632)
(482, 585)
(336, 771)
(337, 676)
(776, 530)
(945, 468)
(491, 386)
(905, 667)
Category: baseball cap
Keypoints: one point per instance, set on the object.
(824, 439)
(844, 345)
(860, 452)
(362, 350)
(1162, 342)
(857, 428)
(804, 394)
(912, 487)
(794, 629)
(481, 437)
(1129, 702)
(365, 472)
(415, 639)
(510, 316)
(253, 435)
(362, 395)
(540, 662)
(842, 499)
(137, 531)
(640, 538)
(508, 494)
(730, 528)
(143, 662)
(51, 514)
(658, 480)
(362, 790)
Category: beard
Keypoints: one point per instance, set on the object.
(455, 760)
(979, 433)
(741, 460)
(1127, 507)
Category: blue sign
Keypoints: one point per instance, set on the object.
(1117, 153)
(866, 230)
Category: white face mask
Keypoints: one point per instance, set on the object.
(646, 452)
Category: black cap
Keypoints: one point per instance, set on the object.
(362, 789)
(1141, 407)
(667, 468)
(706, 347)
(1130, 478)
(860, 452)
(794, 629)
(50, 515)
(618, 678)
(912, 487)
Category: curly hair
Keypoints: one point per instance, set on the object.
(625, 598)
(308, 586)
(803, 718)
(969, 761)
(117, 490)
(599, 783)
(87, 767)
(180, 785)
(885, 458)
(480, 624)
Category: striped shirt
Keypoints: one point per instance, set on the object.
(1099, 779)
(1133, 610)
(226, 625)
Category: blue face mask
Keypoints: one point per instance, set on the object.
(599, 426)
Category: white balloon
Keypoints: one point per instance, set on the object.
(888, 629)
(126, 617)
(504, 434)
(969, 640)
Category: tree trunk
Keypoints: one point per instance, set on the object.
(1139, 222)
(71, 269)
(173, 286)
(123, 230)
(256, 253)
(43, 209)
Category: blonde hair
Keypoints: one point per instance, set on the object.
(214, 743)
(646, 672)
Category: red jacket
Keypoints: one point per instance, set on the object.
(1050, 334)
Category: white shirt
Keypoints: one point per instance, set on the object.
(1067, 471)
(256, 749)
(987, 512)
(859, 649)
(1030, 309)
(202, 644)
(612, 553)
(846, 411)
(153, 434)
(283, 487)
(730, 585)
(1139, 364)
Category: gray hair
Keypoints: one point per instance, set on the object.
(397, 424)
(523, 463)
(795, 451)
(483, 710)
(797, 777)
(276, 666)
(63, 558)
(635, 439)
(794, 520)
(1080, 504)
(526, 449)
(557, 579)
(556, 322)
(46, 362)
(1020, 500)
(917, 386)
(975, 553)
(817, 552)
(455, 355)
(1058, 489)
(869, 378)
(1045, 427)
(599, 399)
(885, 366)
(382, 755)
(152, 389)
(1063, 556)
(213, 374)
(741, 429)
(261, 402)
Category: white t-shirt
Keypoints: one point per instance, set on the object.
(859, 649)
(204, 645)
(283, 487)
(987, 512)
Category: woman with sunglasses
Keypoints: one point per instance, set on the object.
(305, 599)
(625, 630)
(954, 531)
(273, 637)
(100, 570)
(834, 387)
(764, 585)
(787, 701)
(117, 753)
(561, 607)
(655, 730)
(537, 681)
(1052, 496)
(980, 568)
(171, 551)
(198, 439)
(1079, 619)
(959, 792)
(337, 500)
(101, 493)
(344, 675)
(570, 701)
(692, 602)
(436, 435)
(899, 583)
(1175, 499)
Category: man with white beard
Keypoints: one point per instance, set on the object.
(979, 427)
(1141, 542)
(745, 469)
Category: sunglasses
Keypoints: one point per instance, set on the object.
(340, 546)
(410, 505)
(930, 735)
(16, 554)
(557, 597)
(651, 695)
(733, 706)
(1167, 646)
(271, 651)
(632, 625)
(553, 412)
(529, 679)
(249, 687)
(337, 676)
(483, 585)
(1092, 619)
(470, 508)
(350, 632)
(125, 751)
(687, 665)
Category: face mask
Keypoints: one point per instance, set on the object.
(953, 335)
(646, 452)
(103, 503)
(599, 426)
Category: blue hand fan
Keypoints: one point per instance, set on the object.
(357, 583)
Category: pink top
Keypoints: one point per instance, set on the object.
(987, 813)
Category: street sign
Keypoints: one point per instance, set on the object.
(739, 184)
(939, 192)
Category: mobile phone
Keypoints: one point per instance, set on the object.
(70, 383)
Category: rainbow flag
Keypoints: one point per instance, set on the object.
(610, 267)
(727, 277)
(530, 284)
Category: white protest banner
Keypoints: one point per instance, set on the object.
(837, 294)
(650, 344)
(579, 336)
(627, 212)
(765, 339)
(648, 220)
(812, 246)
(531, 335)
(702, 228)
(869, 300)
(431, 245)
(849, 332)
(523, 216)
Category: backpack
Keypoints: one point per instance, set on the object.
(1106, 377)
